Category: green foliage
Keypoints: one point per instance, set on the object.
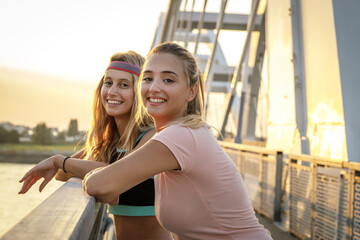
(13, 136)
(8, 136)
(3, 134)
(73, 128)
(61, 136)
(42, 134)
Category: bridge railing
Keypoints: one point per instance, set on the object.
(69, 213)
(311, 197)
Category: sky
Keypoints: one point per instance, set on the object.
(69, 43)
(74, 38)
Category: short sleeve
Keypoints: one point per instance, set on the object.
(180, 141)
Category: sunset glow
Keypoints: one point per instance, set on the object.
(68, 45)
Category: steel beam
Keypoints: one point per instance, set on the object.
(170, 21)
(199, 27)
(237, 22)
(248, 121)
(346, 20)
(207, 74)
(299, 75)
(187, 31)
(237, 75)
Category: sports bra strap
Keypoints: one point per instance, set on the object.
(140, 137)
(122, 151)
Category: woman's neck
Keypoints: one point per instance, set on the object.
(160, 125)
(121, 124)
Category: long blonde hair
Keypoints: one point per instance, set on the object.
(103, 137)
(195, 109)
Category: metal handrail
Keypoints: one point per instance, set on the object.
(69, 213)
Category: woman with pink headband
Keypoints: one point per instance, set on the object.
(112, 135)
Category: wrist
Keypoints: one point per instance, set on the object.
(59, 159)
(63, 165)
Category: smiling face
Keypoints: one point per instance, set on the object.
(164, 88)
(117, 93)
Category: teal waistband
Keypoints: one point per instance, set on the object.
(136, 211)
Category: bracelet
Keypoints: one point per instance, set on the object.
(64, 164)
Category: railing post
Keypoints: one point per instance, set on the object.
(101, 224)
(278, 187)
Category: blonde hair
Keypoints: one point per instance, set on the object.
(103, 137)
(195, 109)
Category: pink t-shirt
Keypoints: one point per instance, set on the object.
(207, 198)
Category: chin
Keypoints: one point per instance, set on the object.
(153, 113)
(113, 113)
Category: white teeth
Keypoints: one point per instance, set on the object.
(156, 100)
(113, 102)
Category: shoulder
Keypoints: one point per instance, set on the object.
(174, 130)
(146, 137)
(182, 143)
(176, 135)
(182, 130)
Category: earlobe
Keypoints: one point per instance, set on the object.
(192, 92)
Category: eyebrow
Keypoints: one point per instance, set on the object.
(121, 79)
(167, 72)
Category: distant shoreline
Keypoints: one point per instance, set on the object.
(27, 156)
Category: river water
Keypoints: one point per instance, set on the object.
(14, 207)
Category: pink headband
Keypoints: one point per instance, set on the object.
(124, 66)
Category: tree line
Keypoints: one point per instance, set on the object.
(11, 136)
(41, 134)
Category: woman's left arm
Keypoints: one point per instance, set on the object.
(107, 183)
(61, 175)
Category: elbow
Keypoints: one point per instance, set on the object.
(91, 187)
(101, 193)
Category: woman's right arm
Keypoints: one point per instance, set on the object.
(108, 182)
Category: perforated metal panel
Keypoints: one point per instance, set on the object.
(327, 203)
(356, 219)
(344, 208)
(249, 169)
(233, 154)
(300, 201)
(324, 204)
(267, 195)
(250, 164)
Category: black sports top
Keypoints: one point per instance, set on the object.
(142, 194)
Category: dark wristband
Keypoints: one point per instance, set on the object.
(64, 164)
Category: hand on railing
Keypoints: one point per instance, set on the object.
(45, 169)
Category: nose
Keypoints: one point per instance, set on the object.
(155, 86)
(112, 90)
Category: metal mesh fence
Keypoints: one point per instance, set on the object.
(320, 198)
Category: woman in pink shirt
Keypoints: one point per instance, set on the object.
(199, 193)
